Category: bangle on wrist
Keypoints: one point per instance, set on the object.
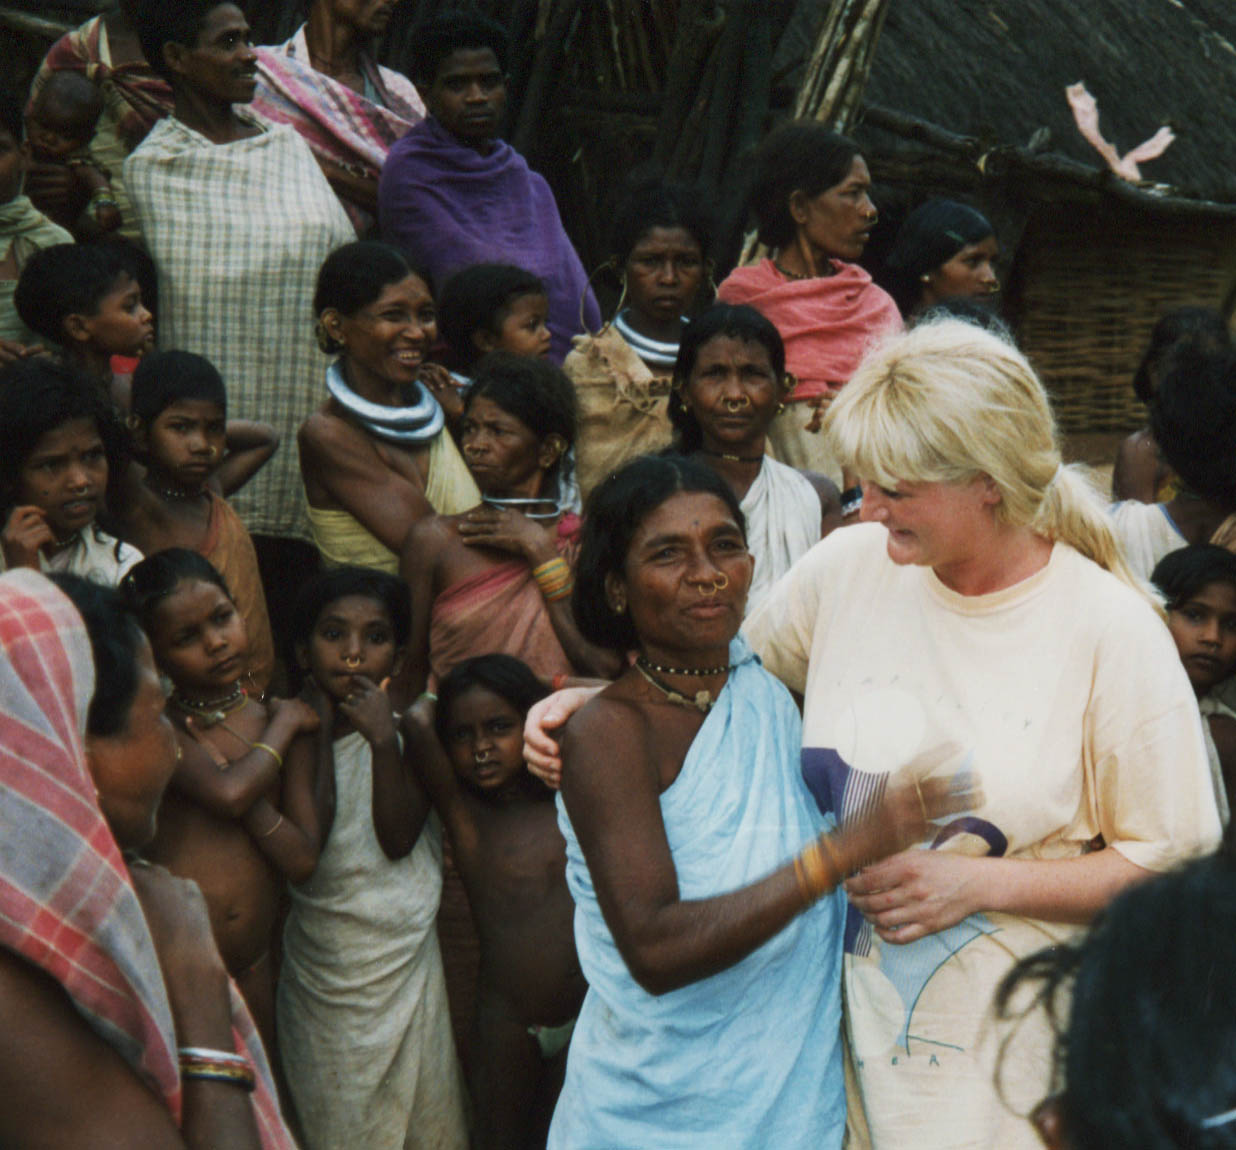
(553, 577)
(270, 751)
(818, 869)
(203, 1064)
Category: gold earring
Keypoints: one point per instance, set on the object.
(925, 277)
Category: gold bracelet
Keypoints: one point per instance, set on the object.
(272, 828)
(818, 869)
(269, 750)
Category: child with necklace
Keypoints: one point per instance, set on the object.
(244, 809)
(194, 457)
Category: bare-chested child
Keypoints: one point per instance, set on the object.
(194, 457)
(363, 1024)
(504, 830)
(242, 810)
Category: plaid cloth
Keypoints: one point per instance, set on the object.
(238, 232)
(67, 905)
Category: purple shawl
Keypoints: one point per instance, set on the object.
(446, 206)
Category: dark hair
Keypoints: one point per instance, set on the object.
(660, 206)
(800, 156)
(160, 22)
(70, 92)
(738, 321)
(116, 640)
(1193, 419)
(534, 391)
(454, 30)
(479, 298)
(1201, 324)
(12, 112)
(67, 279)
(335, 583)
(37, 396)
(931, 235)
(615, 510)
(1148, 1046)
(1181, 574)
(158, 575)
(353, 277)
(510, 678)
(165, 377)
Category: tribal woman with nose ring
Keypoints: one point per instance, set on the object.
(683, 808)
(730, 384)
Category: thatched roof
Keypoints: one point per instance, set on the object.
(997, 70)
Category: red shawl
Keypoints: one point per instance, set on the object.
(827, 322)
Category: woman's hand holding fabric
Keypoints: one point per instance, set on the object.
(916, 893)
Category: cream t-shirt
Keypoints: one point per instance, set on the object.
(1065, 696)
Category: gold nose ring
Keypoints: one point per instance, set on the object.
(351, 662)
(737, 404)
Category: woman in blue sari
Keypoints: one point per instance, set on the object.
(712, 949)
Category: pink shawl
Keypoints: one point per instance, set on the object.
(827, 322)
(67, 904)
(337, 123)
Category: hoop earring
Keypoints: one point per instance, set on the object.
(709, 282)
(608, 265)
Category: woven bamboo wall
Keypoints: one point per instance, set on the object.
(1089, 283)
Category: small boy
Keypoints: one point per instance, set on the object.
(86, 299)
(493, 307)
(503, 827)
(60, 125)
(1199, 584)
(23, 229)
(194, 457)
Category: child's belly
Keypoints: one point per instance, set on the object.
(242, 890)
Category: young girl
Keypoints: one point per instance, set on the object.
(60, 444)
(231, 818)
(363, 1023)
(1199, 584)
(504, 830)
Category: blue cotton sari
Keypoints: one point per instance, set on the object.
(747, 1057)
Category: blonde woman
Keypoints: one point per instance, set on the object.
(982, 618)
(980, 621)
